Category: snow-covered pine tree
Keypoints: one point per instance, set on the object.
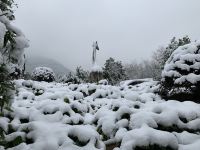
(114, 71)
(181, 74)
(12, 40)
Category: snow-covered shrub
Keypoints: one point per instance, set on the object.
(181, 74)
(70, 78)
(43, 74)
(162, 54)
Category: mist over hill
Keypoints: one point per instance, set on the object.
(36, 61)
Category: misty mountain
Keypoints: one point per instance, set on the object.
(33, 62)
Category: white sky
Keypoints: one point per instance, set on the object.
(127, 30)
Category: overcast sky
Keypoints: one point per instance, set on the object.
(127, 30)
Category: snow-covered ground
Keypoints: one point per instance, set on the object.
(55, 116)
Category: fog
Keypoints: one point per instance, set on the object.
(126, 30)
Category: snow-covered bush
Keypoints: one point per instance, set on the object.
(181, 74)
(70, 78)
(43, 74)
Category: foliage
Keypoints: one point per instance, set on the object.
(6, 87)
(114, 71)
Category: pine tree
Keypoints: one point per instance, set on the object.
(162, 54)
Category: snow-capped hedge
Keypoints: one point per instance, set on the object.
(181, 74)
(57, 116)
(43, 74)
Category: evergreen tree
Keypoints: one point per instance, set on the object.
(162, 54)
(114, 71)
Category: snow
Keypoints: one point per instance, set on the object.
(96, 68)
(135, 81)
(4, 123)
(61, 117)
(2, 33)
(192, 78)
(104, 82)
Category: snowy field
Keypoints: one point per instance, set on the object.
(55, 116)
